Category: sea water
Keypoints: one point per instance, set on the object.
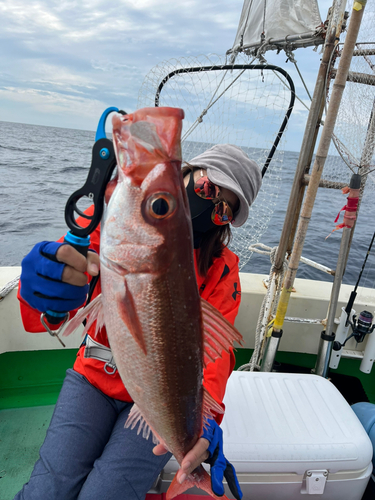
(40, 167)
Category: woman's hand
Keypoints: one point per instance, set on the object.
(209, 449)
(77, 265)
(53, 277)
(195, 457)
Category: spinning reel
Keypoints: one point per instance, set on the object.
(361, 327)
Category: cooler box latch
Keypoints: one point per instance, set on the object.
(314, 482)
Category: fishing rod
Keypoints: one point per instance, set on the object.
(103, 162)
(364, 324)
(353, 295)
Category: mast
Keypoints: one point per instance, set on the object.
(338, 88)
(357, 188)
(304, 161)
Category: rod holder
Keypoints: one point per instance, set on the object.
(369, 354)
(324, 351)
(270, 351)
(341, 335)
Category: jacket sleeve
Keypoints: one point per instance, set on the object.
(31, 317)
(225, 296)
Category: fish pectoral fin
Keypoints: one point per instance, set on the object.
(136, 417)
(128, 313)
(92, 312)
(219, 334)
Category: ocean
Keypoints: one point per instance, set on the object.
(40, 167)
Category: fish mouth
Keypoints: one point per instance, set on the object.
(113, 266)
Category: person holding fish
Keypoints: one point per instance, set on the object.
(158, 350)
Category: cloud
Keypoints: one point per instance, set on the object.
(66, 58)
(98, 49)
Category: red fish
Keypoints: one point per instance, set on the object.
(161, 333)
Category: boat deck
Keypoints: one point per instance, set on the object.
(22, 431)
(30, 382)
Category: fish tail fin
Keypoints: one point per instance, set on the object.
(199, 478)
(93, 312)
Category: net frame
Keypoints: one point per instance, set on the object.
(155, 91)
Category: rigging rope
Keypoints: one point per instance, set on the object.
(268, 307)
(210, 104)
(9, 287)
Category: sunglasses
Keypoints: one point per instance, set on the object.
(222, 213)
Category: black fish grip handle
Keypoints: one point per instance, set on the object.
(102, 166)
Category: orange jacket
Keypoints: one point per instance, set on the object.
(221, 287)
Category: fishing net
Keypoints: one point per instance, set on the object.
(353, 144)
(354, 136)
(245, 107)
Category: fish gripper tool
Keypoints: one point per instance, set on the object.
(103, 163)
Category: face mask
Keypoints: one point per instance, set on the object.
(200, 211)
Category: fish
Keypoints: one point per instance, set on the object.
(161, 333)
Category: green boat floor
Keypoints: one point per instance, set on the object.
(22, 432)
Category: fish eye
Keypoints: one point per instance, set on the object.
(161, 205)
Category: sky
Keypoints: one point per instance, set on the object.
(63, 62)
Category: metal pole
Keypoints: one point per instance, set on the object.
(298, 189)
(326, 340)
(320, 158)
(325, 183)
(270, 351)
(311, 131)
(337, 20)
(303, 184)
(303, 164)
(357, 77)
(364, 167)
(307, 147)
(328, 336)
(325, 345)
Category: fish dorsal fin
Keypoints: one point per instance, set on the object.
(92, 312)
(219, 334)
(136, 417)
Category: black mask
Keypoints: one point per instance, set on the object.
(201, 211)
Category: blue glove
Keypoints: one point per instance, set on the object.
(41, 285)
(220, 467)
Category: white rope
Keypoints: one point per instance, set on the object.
(301, 77)
(270, 302)
(255, 248)
(9, 287)
(268, 251)
(287, 86)
(269, 305)
(210, 104)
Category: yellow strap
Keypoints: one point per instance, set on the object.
(358, 4)
(282, 307)
(270, 328)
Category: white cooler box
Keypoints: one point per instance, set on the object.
(289, 436)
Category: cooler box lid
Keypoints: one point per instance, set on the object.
(287, 422)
